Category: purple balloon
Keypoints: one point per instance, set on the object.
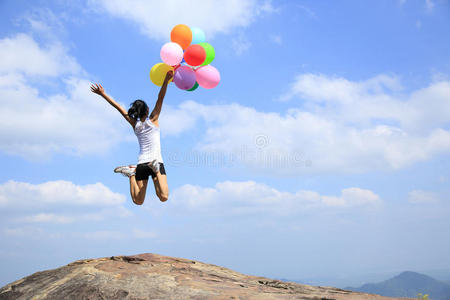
(184, 77)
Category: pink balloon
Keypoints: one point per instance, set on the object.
(184, 77)
(207, 76)
(171, 54)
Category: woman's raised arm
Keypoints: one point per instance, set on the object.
(98, 89)
(162, 92)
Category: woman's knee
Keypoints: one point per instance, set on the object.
(138, 200)
(163, 196)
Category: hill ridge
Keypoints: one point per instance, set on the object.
(153, 276)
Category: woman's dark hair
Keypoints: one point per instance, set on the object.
(138, 109)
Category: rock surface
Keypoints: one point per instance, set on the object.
(152, 276)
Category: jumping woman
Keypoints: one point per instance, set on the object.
(146, 128)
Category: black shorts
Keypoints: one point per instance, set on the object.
(143, 171)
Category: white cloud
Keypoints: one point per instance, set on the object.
(102, 235)
(36, 233)
(429, 5)
(378, 98)
(309, 12)
(59, 194)
(419, 196)
(58, 202)
(67, 122)
(177, 120)
(353, 197)
(47, 218)
(240, 44)
(276, 39)
(44, 23)
(81, 215)
(22, 54)
(117, 235)
(23, 231)
(342, 127)
(249, 197)
(157, 18)
(418, 24)
(442, 179)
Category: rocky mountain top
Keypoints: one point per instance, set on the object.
(152, 276)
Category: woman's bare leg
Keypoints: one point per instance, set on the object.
(161, 187)
(137, 190)
(156, 184)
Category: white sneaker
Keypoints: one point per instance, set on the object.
(126, 171)
(154, 165)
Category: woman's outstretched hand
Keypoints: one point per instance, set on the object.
(98, 89)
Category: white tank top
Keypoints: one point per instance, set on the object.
(148, 135)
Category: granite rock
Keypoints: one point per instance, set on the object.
(152, 276)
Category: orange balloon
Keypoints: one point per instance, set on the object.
(182, 35)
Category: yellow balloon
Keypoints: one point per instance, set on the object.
(158, 73)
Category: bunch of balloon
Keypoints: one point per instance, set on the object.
(189, 56)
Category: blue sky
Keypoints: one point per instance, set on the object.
(322, 155)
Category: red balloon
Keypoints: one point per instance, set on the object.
(194, 55)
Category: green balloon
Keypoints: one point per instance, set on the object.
(194, 87)
(210, 53)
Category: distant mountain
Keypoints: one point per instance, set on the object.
(408, 284)
(342, 280)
